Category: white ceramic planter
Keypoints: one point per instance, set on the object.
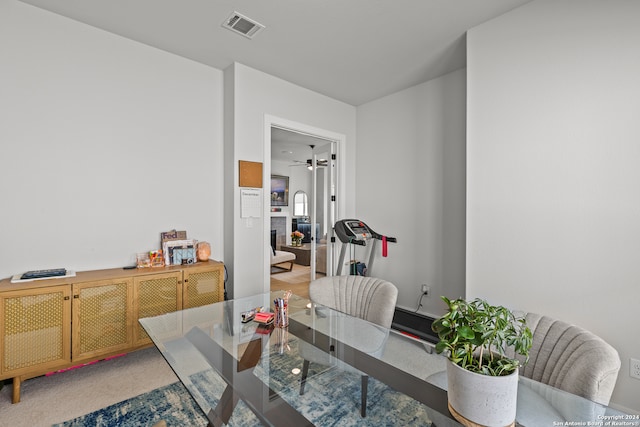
(482, 399)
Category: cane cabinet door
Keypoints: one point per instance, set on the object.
(102, 318)
(154, 295)
(204, 285)
(35, 329)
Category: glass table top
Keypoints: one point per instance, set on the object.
(249, 373)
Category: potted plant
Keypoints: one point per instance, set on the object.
(482, 379)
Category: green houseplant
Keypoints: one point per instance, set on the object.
(475, 336)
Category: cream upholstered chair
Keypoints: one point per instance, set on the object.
(281, 257)
(367, 298)
(566, 357)
(570, 358)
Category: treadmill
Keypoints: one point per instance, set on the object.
(356, 232)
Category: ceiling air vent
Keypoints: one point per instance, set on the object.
(242, 25)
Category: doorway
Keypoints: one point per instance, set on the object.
(307, 158)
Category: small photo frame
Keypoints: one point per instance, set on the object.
(178, 252)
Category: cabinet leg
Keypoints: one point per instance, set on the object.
(16, 390)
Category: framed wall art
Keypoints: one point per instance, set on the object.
(279, 190)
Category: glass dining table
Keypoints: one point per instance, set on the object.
(249, 373)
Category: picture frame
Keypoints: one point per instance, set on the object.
(279, 190)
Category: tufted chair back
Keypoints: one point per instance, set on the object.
(368, 298)
(570, 358)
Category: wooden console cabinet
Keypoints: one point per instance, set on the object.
(53, 324)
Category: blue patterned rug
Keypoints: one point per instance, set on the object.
(171, 403)
(330, 399)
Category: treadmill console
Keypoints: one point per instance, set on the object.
(357, 230)
(353, 231)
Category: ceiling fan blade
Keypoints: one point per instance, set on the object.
(320, 163)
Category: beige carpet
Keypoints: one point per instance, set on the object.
(60, 397)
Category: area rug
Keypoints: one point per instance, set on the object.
(332, 398)
(171, 403)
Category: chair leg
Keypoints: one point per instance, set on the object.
(303, 378)
(363, 392)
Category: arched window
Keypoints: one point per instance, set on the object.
(300, 204)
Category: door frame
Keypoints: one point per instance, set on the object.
(330, 180)
(293, 126)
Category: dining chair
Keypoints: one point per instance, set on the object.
(367, 298)
(570, 358)
(566, 357)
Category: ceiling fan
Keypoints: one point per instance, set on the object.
(309, 163)
(321, 163)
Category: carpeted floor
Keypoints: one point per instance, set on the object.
(59, 397)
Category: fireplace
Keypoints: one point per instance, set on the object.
(279, 224)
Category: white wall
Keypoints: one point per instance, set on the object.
(410, 185)
(104, 143)
(254, 96)
(554, 165)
